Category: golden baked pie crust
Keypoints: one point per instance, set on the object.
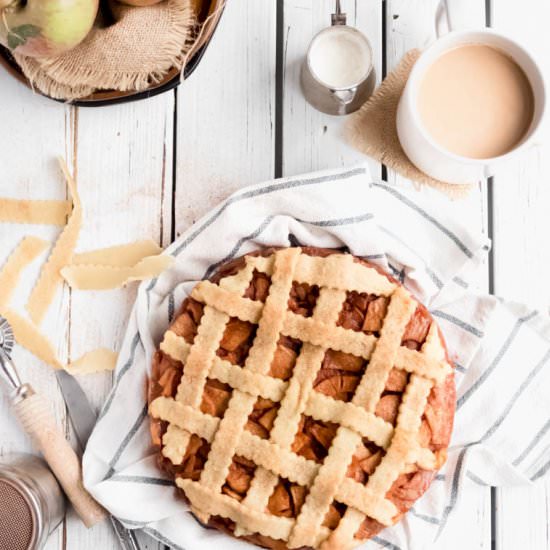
(335, 276)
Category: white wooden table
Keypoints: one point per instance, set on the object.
(150, 169)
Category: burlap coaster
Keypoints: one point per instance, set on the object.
(372, 130)
(130, 55)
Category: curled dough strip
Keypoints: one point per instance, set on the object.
(105, 277)
(98, 360)
(27, 250)
(125, 255)
(29, 336)
(50, 276)
(48, 212)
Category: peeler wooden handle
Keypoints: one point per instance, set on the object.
(39, 423)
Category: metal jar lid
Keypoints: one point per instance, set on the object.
(31, 503)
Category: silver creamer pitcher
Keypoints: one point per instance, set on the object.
(337, 74)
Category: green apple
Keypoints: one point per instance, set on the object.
(39, 28)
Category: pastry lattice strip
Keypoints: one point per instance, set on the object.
(252, 381)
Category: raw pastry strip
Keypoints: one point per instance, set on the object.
(50, 277)
(48, 212)
(98, 360)
(29, 336)
(327, 482)
(105, 277)
(26, 331)
(27, 250)
(124, 255)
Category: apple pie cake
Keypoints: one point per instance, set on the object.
(302, 398)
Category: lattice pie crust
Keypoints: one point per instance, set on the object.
(335, 275)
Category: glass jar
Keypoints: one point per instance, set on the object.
(31, 502)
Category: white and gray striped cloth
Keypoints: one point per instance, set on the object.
(501, 350)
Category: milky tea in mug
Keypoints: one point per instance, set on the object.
(475, 101)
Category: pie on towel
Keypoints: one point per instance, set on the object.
(302, 398)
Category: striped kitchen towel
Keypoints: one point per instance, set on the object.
(501, 350)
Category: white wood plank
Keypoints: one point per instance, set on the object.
(522, 264)
(226, 112)
(410, 24)
(124, 162)
(34, 132)
(313, 140)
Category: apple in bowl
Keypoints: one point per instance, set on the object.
(140, 3)
(39, 28)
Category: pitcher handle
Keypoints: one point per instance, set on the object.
(344, 97)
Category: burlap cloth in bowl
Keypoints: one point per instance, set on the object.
(133, 53)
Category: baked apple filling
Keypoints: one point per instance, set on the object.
(338, 378)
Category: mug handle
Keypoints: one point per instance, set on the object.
(442, 19)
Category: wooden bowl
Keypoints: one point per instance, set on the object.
(169, 82)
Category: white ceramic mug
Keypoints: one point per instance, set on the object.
(427, 154)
